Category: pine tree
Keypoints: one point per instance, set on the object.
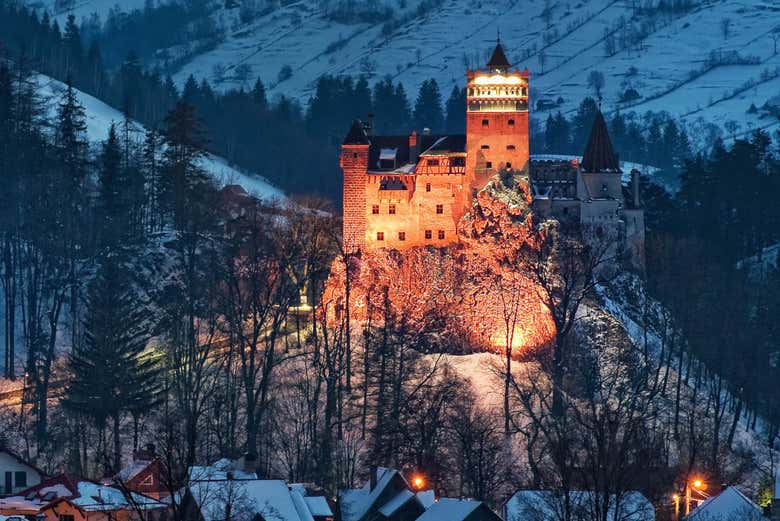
(111, 212)
(456, 111)
(259, 95)
(427, 108)
(111, 374)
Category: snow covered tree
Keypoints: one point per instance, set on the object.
(111, 374)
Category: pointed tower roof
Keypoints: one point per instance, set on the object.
(599, 155)
(498, 59)
(356, 135)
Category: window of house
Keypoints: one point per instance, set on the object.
(485, 147)
(458, 161)
(380, 236)
(485, 122)
(148, 480)
(510, 147)
(375, 209)
(427, 187)
(401, 236)
(428, 234)
(66, 517)
(488, 164)
(9, 484)
(441, 234)
(391, 210)
(439, 208)
(511, 122)
(20, 479)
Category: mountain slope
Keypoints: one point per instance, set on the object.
(99, 117)
(710, 61)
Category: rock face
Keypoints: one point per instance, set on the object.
(468, 297)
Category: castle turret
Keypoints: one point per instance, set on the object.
(354, 164)
(496, 118)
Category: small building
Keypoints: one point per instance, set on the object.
(450, 509)
(17, 473)
(729, 504)
(219, 491)
(535, 505)
(386, 496)
(144, 475)
(71, 498)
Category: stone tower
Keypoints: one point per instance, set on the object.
(496, 119)
(354, 164)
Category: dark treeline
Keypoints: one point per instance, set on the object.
(706, 263)
(241, 125)
(653, 139)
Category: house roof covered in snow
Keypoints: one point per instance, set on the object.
(84, 494)
(214, 494)
(450, 509)
(543, 504)
(729, 504)
(390, 493)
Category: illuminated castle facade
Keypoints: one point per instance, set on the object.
(412, 190)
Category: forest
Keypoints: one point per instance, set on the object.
(195, 319)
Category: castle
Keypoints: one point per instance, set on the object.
(412, 190)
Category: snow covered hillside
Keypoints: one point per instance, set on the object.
(706, 64)
(100, 116)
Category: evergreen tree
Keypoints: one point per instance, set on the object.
(111, 214)
(391, 108)
(259, 95)
(582, 123)
(110, 373)
(427, 108)
(456, 111)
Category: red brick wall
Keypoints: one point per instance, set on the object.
(354, 164)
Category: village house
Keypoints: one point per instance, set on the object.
(144, 475)
(412, 190)
(71, 498)
(730, 503)
(17, 473)
(217, 492)
(388, 496)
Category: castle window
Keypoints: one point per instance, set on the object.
(488, 164)
(441, 234)
(508, 165)
(511, 122)
(485, 122)
(375, 209)
(427, 187)
(401, 236)
(458, 161)
(391, 210)
(439, 208)
(380, 236)
(510, 147)
(354, 155)
(485, 147)
(432, 162)
(428, 234)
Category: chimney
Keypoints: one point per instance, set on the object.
(373, 477)
(368, 126)
(635, 186)
(250, 462)
(413, 151)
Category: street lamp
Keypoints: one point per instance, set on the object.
(418, 481)
(699, 487)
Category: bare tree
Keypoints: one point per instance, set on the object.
(725, 27)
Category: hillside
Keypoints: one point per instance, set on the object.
(99, 117)
(706, 63)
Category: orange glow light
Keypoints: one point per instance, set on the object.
(697, 483)
(418, 482)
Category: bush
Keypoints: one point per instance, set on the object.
(285, 73)
(631, 94)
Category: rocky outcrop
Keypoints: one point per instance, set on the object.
(467, 297)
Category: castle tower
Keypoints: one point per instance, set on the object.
(600, 167)
(354, 164)
(497, 135)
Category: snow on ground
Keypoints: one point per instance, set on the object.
(100, 116)
(84, 8)
(460, 33)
